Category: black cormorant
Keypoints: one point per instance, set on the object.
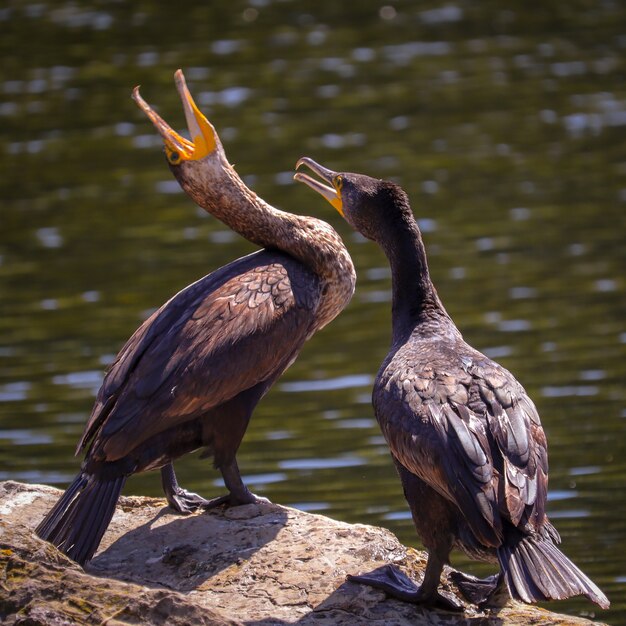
(465, 437)
(191, 375)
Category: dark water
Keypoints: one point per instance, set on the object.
(507, 126)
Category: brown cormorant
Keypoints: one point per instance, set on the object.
(465, 437)
(192, 373)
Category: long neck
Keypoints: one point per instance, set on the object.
(216, 187)
(414, 298)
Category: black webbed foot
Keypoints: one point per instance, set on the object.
(391, 580)
(179, 499)
(235, 499)
(238, 493)
(186, 502)
(398, 585)
(490, 592)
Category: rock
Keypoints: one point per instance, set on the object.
(259, 565)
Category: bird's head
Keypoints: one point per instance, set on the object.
(369, 205)
(181, 153)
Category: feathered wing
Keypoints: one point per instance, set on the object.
(472, 434)
(475, 437)
(229, 331)
(514, 425)
(440, 428)
(416, 427)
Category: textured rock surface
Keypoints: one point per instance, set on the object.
(255, 565)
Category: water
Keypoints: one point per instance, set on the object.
(507, 127)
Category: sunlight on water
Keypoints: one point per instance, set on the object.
(505, 126)
(341, 382)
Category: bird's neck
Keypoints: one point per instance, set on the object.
(414, 297)
(221, 192)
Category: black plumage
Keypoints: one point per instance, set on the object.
(192, 374)
(465, 437)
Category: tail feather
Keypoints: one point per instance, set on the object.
(536, 570)
(542, 572)
(101, 519)
(87, 518)
(521, 585)
(79, 519)
(52, 519)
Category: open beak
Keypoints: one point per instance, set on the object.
(178, 148)
(330, 191)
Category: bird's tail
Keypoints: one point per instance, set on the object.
(536, 570)
(78, 520)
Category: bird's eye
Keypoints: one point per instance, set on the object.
(173, 157)
(338, 182)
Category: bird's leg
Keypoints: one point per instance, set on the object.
(490, 592)
(398, 585)
(179, 499)
(238, 493)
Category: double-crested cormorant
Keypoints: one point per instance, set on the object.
(465, 438)
(191, 375)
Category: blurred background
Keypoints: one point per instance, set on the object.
(505, 123)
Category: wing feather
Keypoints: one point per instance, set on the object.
(231, 330)
(467, 428)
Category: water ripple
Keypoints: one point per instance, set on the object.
(585, 471)
(14, 392)
(397, 515)
(514, 326)
(329, 384)
(569, 390)
(168, 187)
(231, 96)
(569, 514)
(561, 494)
(441, 15)
(266, 479)
(403, 53)
(498, 352)
(310, 506)
(80, 380)
(20, 437)
(49, 237)
(363, 422)
(319, 463)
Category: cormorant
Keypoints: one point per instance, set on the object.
(465, 437)
(192, 373)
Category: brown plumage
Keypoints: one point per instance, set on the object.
(192, 373)
(465, 437)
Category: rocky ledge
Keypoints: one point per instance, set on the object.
(260, 565)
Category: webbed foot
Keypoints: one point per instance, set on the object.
(490, 592)
(235, 499)
(179, 499)
(238, 493)
(186, 502)
(398, 585)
